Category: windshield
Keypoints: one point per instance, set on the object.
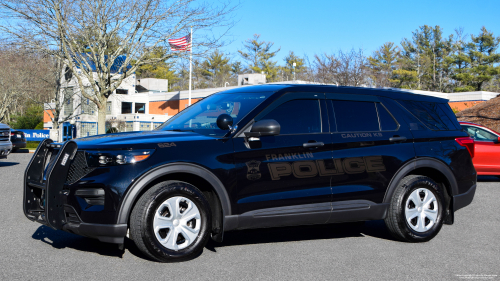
(201, 117)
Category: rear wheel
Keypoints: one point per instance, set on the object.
(170, 222)
(416, 210)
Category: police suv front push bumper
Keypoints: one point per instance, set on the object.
(45, 194)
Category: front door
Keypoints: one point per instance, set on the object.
(283, 177)
(486, 150)
(67, 131)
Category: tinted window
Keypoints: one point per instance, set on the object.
(355, 116)
(429, 113)
(140, 107)
(201, 117)
(480, 134)
(387, 123)
(126, 107)
(446, 110)
(297, 117)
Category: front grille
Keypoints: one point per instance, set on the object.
(4, 134)
(78, 168)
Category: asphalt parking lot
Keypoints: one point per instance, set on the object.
(469, 249)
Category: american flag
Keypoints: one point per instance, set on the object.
(181, 44)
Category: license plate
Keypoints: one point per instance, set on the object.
(19, 136)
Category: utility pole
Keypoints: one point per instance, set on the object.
(294, 64)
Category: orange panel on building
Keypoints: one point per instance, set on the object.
(47, 115)
(461, 105)
(171, 107)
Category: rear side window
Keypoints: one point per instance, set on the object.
(297, 117)
(355, 116)
(431, 114)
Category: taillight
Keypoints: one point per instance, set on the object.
(467, 142)
(11, 133)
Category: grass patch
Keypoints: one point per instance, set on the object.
(32, 144)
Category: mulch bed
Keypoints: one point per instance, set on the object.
(486, 114)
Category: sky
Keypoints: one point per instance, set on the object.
(326, 26)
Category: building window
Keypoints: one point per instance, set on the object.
(88, 107)
(129, 126)
(122, 91)
(88, 129)
(140, 107)
(145, 126)
(156, 125)
(126, 107)
(108, 107)
(68, 101)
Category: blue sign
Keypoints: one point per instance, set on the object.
(35, 135)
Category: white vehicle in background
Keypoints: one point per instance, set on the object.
(5, 143)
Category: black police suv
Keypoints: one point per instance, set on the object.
(260, 156)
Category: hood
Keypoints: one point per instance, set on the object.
(4, 126)
(130, 140)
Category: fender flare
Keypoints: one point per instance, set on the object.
(132, 193)
(424, 162)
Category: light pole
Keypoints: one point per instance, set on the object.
(294, 64)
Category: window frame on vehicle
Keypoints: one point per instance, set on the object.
(480, 128)
(291, 96)
(330, 97)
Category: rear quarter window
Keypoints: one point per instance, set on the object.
(431, 114)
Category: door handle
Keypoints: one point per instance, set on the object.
(313, 144)
(397, 138)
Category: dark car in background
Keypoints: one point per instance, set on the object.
(256, 157)
(18, 140)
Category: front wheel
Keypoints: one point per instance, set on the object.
(416, 210)
(170, 222)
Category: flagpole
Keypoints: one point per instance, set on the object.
(190, 63)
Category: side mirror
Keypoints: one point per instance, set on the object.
(267, 127)
(224, 121)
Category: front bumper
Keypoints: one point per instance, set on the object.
(46, 194)
(5, 149)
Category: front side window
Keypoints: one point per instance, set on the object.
(297, 117)
(201, 117)
(480, 134)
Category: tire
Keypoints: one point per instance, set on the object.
(164, 211)
(416, 210)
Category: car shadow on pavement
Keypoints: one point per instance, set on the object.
(22, 150)
(7, 164)
(487, 179)
(375, 229)
(61, 239)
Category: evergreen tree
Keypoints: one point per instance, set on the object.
(383, 63)
(258, 54)
(217, 69)
(288, 69)
(158, 68)
(480, 62)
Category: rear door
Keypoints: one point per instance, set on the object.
(369, 146)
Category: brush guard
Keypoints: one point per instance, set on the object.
(44, 193)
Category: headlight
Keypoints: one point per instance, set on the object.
(117, 157)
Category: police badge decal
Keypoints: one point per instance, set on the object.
(253, 172)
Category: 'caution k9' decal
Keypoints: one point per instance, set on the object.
(310, 168)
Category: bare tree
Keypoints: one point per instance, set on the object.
(344, 68)
(98, 39)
